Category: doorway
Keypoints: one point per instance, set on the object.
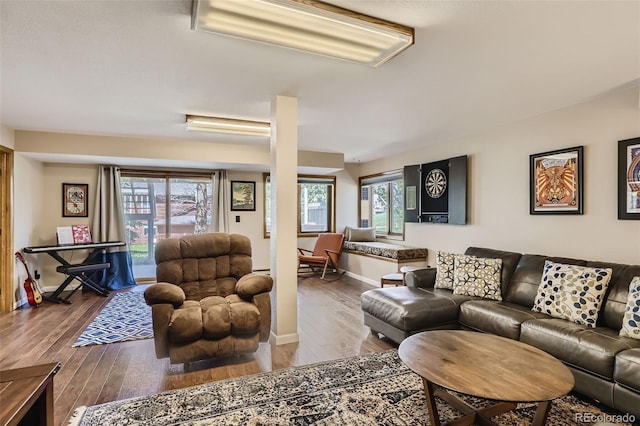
(158, 206)
(6, 229)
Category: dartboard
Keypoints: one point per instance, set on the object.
(435, 183)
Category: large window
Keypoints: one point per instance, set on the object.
(158, 206)
(316, 204)
(382, 203)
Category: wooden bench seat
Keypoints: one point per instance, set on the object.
(370, 260)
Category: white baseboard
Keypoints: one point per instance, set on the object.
(52, 288)
(363, 279)
(283, 339)
(49, 289)
(19, 303)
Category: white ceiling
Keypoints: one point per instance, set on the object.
(135, 68)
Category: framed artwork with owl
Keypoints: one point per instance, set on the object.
(75, 199)
(629, 179)
(556, 183)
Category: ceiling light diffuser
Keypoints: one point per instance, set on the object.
(310, 26)
(228, 125)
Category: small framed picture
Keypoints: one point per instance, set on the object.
(556, 184)
(243, 195)
(629, 179)
(75, 199)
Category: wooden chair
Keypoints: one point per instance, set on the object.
(326, 252)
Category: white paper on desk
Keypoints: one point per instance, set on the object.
(65, 235)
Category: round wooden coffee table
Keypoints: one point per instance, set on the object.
(485, 366)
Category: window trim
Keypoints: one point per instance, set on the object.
(303, 178)
(384, 177)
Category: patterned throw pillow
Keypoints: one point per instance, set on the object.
(572, 292)
(631, 320)
(444, 271)
(477, 276)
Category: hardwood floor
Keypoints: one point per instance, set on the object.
(330, 326)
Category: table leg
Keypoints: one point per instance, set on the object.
(434, 417)
(541, 413)
(470, 414)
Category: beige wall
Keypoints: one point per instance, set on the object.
(7, 137)
(29, 207)
(347, 196)
(44, 230)
(499, 185)
(55, 147)
(252, 223)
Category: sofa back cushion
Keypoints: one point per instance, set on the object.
(615, 301)
(204, 265)
(527, 276)
(509, 262)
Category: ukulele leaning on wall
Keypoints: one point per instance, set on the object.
(31, 287)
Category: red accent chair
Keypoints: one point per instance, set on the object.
(325, 253)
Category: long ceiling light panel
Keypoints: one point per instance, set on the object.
(228, 125)
(306, 25)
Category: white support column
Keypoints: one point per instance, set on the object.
(284, 211)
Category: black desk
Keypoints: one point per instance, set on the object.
(79, 271)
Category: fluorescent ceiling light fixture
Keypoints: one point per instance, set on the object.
(310, 26)
(228, 125)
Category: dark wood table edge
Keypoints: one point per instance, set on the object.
(41, 396)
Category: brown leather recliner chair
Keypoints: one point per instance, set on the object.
(207, 302)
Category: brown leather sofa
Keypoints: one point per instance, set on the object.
(207, 302)
(606, 366)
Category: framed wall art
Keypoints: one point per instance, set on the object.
(75, 200)
(629, 179)
(556, 184)
(243, 195)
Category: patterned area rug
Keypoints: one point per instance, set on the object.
(376, 389)
(126, 317)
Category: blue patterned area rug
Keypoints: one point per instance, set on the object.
(375, 389)
(126, 317)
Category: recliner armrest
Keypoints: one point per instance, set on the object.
(423, 278)
(164, 293)
(251, 284)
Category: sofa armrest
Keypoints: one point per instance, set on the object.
(164, 293)
(423, 278)
(251, 284)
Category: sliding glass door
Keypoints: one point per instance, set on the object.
(162, 206)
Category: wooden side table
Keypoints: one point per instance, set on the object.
(27, 395)
(397, 278)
